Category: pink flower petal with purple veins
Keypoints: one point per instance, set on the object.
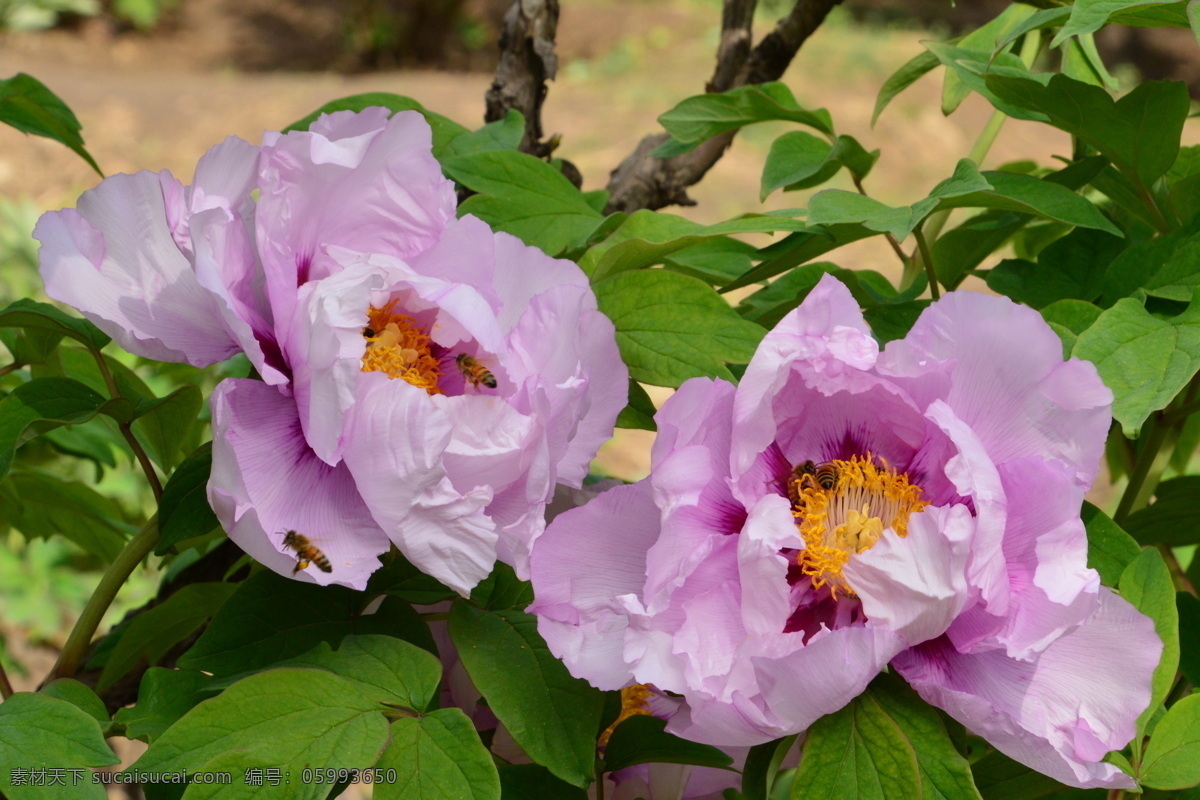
(1061, 712)
(581, 566)
(266, 481)
(1021, 401)
(394, 442)
(359, 181)
(114, 258)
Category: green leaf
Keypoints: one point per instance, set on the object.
(640, 411)
(438, 756)
(287, 718)
(26, 313)
(184, 511)
(901, 79)
(270, 618)
(716, 260)
(163, 424)
(1139, 133)
(164, 696)
(799, 160)
(445, 130)
(1110, 548)
(1070, 268)
(954, 89)
(41, 504)
(1172, 759)
(671, 327)
(1146, 584)
(704, 116)
(1189, 636)
(998, 777)
(963, 248)
(1088, 16)
(771, 303)
(80, 696)
(641, 739)
(1145, 360)
(504, 134)
(502, 589)
(1074, 315)
(1043, 18)
(551, 715)
(1081, 61)
(1025, 194)
(398, 577)
(524, 196)
(1173, 519)
(39, 732)
(799, 248)
(534, 782)
(974, 67)
(384, 668)
(893, 321)
(153, 633)
(1165, 266)
(30, 107)
(858, 753)
(647, 237)
(762, 767)
(39, 406)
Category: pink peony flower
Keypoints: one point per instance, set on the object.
(425, 381)
(937, 531)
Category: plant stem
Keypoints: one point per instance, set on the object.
(1155, 437)
(1177, 415)
(6, 690)
(1178, 575)
(927, 258)
(1116, 794)
(140, 546)
(905, 261)
(127, 429)
(7, 368)
(1160, 221)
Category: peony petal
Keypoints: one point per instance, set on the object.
(765, 593)
(1021, 401)
(917, 585)
(394, 441)
(587, 558)
(115, 259)
(1060, 713)
(266, 481)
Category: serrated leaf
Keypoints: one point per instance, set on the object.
(1172, 759)
(30, 107)
(647, 237)
(27, 313)
(1174, 517)
(270, 618)
(155, 631)
(445, 130)
(524, 196)
(671, 327)
(41, 504)
(184, 511)
(551, 715)
(164, 696)
(438, 756)
(287, 718)
(1139, 133)
(1146, 584)
(39, 732)
(80, 696)
(642, 739)
(857, 753)
(1145, 360)
(703, 116)
(1110, 548)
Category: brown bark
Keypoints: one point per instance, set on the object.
(527, 61)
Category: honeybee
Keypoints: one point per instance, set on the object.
(368, 332)
(474, 371)
(306, 552)
(825, 476)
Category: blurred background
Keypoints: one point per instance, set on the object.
(157, 82)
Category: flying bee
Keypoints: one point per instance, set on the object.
(474, 371)
(306, 552)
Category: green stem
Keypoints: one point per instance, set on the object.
(1155, 437)
(73, 652)
(599, 782)
(7, 368)
(127, 430)
(927, 258)
(1116, 794)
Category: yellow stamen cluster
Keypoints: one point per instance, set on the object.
(634, 700)
(867, 498)
(400, 349)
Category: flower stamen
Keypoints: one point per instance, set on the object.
(400, 349)
(845, 519)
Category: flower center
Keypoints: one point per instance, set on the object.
(634, 700)
(397, 347)
(842, 508)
